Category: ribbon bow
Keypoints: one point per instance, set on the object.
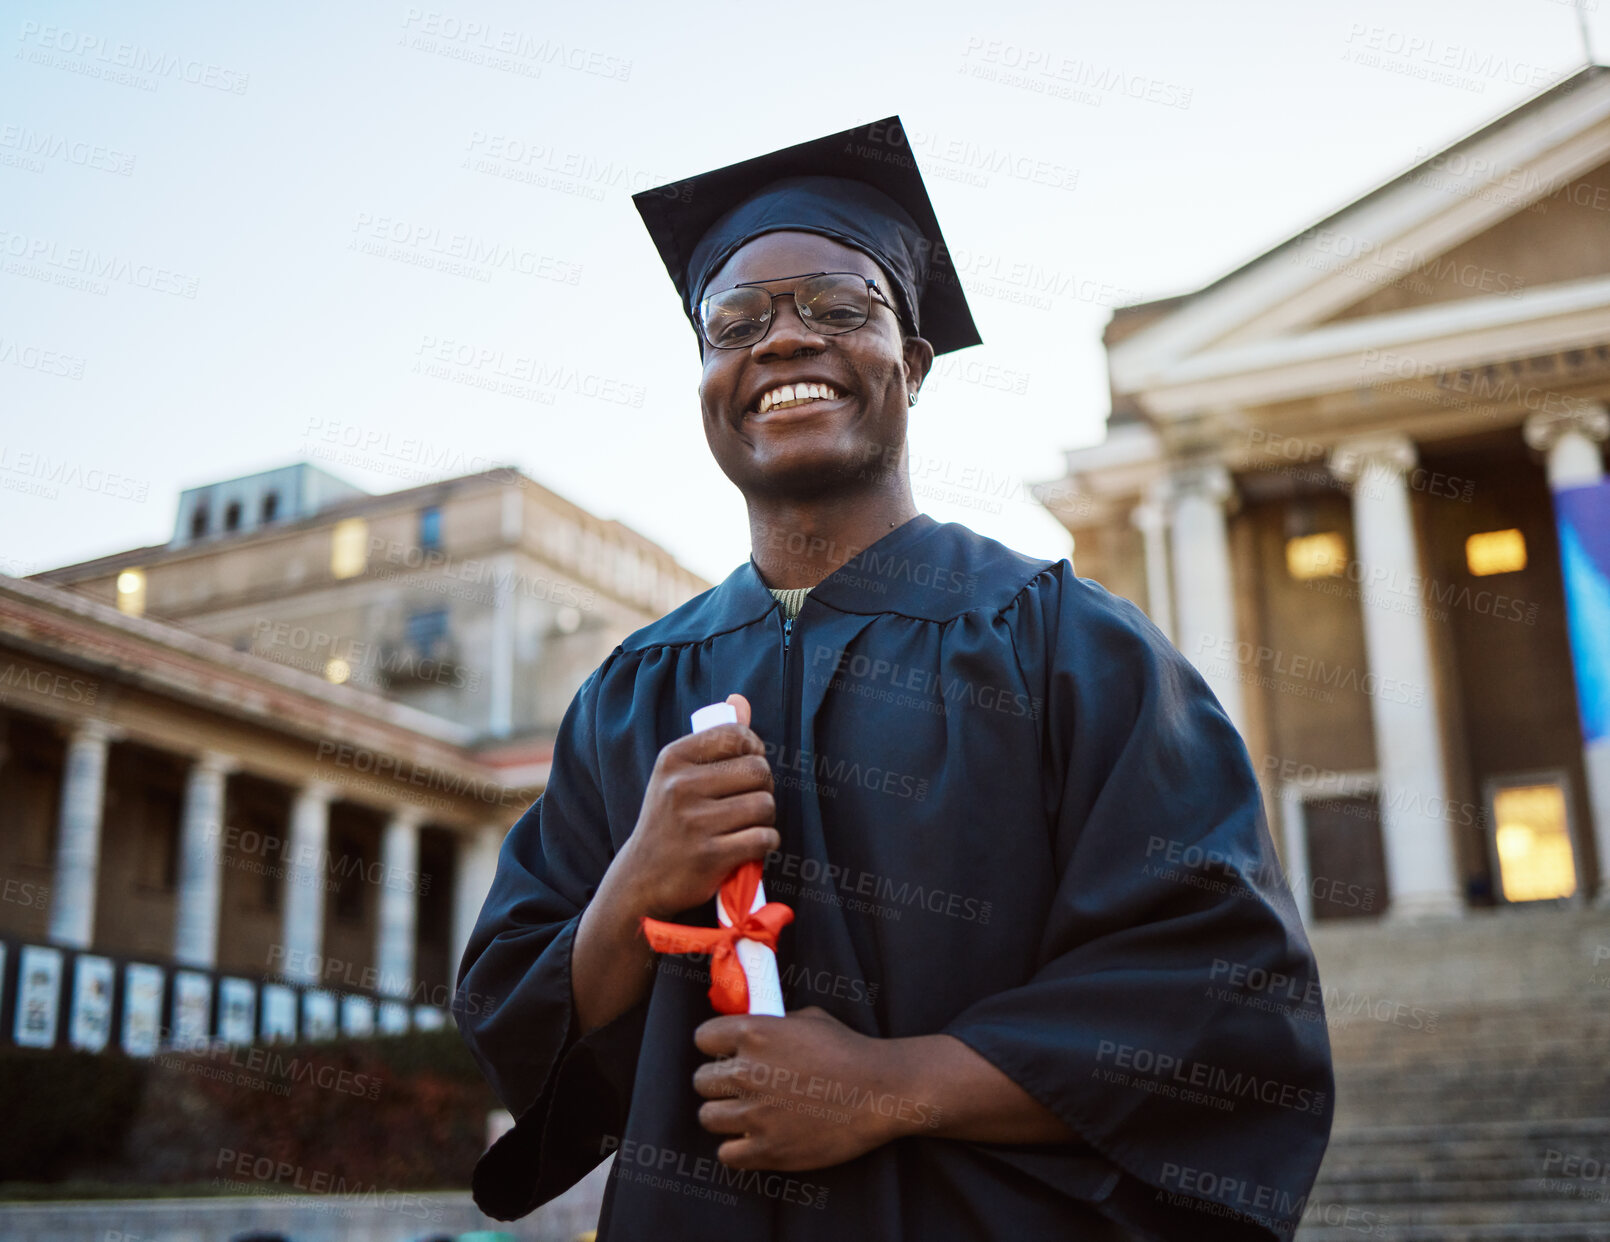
(729, 990)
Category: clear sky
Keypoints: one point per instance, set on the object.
(235, 238)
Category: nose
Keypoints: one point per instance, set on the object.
(787, 335)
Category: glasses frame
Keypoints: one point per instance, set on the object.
(871, 284)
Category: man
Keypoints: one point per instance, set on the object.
(1036, 907)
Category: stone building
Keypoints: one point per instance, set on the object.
(484, 599)
(1358, 481)
(253, 782)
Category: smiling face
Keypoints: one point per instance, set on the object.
(856, 384)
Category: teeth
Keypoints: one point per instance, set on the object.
(796, 394)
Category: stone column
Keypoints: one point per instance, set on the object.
(1422, 878)
(399, 902)
(477, 863)
(201, 846)
(1204, 589)
(1571, 440)
(78, 835)
(1151, 519)
(305, 876)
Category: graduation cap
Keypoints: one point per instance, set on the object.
(860, 187)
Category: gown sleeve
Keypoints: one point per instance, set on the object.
(513, 1005)
(1174, 1019)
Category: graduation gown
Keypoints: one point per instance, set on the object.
(1010, 812)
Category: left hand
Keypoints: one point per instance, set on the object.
(800, 1092)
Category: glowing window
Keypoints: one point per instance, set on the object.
(1495, 552)
(131, 592)
(1316, 556)
(348, 548)
(337, 670)
(1535, 862)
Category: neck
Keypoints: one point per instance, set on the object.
(797, 543)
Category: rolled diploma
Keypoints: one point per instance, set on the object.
(759, 963)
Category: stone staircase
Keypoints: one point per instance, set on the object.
(1473, 1080)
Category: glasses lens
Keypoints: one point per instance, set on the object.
(836, 302)
(734, 318)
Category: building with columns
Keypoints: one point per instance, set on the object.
(253, 782)
(1359, 482)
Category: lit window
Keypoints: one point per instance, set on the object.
(1316, 556)
(348, 550)
(131, 592)
(430, 528)
(337, 670)
(1495, 552)
(1535, 862)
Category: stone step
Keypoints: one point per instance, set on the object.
(1514, 1231)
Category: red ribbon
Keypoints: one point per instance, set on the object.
(729, 990)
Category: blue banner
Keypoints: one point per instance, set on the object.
(1584, 521)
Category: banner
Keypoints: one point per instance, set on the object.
(91, 1025)
(1583, 514)
(38, 996)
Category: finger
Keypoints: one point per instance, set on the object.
(742, 1153)
(742, 704)
(730, 850)
(719, 1037)
(811, 1011)
(736, 774)
(718, 1080)
(725, 1116)
(715, 816)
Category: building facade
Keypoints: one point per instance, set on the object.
(1359, 482)
(484, 599)
(253, 782)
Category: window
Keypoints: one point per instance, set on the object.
(1316, 556)
(430, 528)
(232, 515)
(348, 551)
(131, 592)
(1532, 837)
(198, 521)
(1495, 552)
(271, 507)
(424, 630)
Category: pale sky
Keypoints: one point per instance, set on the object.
(232, 184)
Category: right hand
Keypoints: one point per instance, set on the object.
(708, 808)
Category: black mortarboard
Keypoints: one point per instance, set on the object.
(861, 187)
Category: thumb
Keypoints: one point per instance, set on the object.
(741, 704)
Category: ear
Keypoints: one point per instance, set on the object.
(919, 357)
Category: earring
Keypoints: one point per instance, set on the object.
(911, 397)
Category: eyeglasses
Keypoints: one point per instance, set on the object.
(827, 302)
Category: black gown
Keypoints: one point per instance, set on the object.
(1011, 812)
